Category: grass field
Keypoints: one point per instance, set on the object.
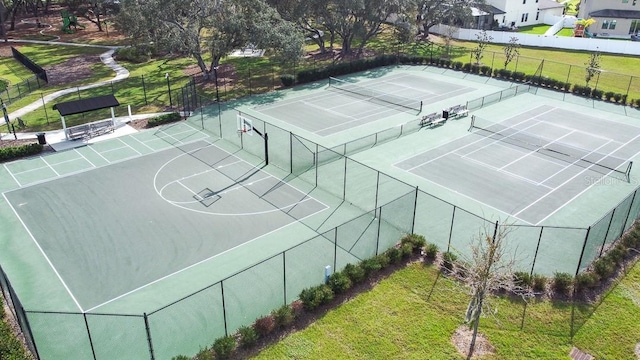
(413, 313)
(534, 29)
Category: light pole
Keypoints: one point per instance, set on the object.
(166, 75)
(215, 75)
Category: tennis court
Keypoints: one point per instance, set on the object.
(530, 164)
(345, 104)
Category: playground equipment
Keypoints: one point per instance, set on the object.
(69, 20)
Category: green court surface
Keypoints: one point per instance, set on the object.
(161, 241)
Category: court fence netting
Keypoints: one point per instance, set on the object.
(389, 207)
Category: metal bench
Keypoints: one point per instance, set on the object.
(431, 120)
(87, 131)
(457, 111)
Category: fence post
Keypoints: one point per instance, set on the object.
(584, 245)
(624, 225)
(146, 327)
(344, 185)
(453, 216)
(86, 324)
(613, 213)
(377, 188)
(335, 248)
(284, 277)
(415, 208)
(44, 106)
(224, 309)
(379, 225)
(535, 255)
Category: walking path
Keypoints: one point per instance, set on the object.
(56, 138)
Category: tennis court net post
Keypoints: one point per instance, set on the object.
(549, 147)
(375, 95)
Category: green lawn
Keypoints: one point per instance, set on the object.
(534, 29)
(413, 313)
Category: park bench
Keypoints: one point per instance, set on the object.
(87, 131)
(455, 111)
(431, 120)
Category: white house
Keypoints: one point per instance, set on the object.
(614, 18)
(525, 12)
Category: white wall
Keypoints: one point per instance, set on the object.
(560, 42)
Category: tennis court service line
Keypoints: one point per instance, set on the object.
(595, 182)
(50, 167)
(77, 152)
(568, 180)
(64, 284)
(129, 146)
(10, 173)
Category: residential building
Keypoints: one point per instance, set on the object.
(525, 12)
(614, 18)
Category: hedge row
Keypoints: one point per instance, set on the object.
(164, 119)
(311, 298)
(15, 152)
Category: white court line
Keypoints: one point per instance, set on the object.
(466, 145)
(197, 130)
(496, 141)
(44, 254)
(241, 186)
(204, 260)
(566, 182)
(535, 151)
(46, 167)
(10, 173)
(143, 143)
(89, 161)
(580, 131)
(50, 167)
(594, 183)
(506, 172)
(129, 146)
(327, 109)
(559, 171)
(99, 154)
(474, 200)
(186, 187)
(171, 136)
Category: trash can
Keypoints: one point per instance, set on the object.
(445, 114)
(41, 138)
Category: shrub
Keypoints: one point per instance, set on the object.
(204, 354)
(223, 347)
(562, 282)
(638, 102)
(355, 273)
(597, 94)
(632, 239)
(617, 254)
(466, 67)
(370, 265)
(431, 251)
(3, 85)
(539, 282)
(457, 65)
(485, 70)
(181, 357)
(518, 76)
(586, 280)
(608, 95)
(623, 100)
(287, 79)
(448, 260)
(339, 282)
(394, 254)
(313, 297)
(135, 54)
(283, 316)
(617, 97)
(523, 279)
(475, 68)
(164, 119)
(407, 250)
(265, 325)
(604, 267)
(15, 152)
(248, 336)
(417, 241)
(383, 260)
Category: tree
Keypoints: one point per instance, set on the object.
(483, 41)
(93, 10)
(451, 12)
(212, 28)
(593, 67)
(511, 50)
(308, 15)
(487, 270)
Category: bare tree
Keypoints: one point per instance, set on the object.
(593, 66)
(511, 50)
(488, 269)
(483, 40)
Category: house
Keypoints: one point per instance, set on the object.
(615, 18)
(518, 13)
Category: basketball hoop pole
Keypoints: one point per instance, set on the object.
(264, 136)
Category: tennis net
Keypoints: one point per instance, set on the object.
(375, 95)
(552, 148)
